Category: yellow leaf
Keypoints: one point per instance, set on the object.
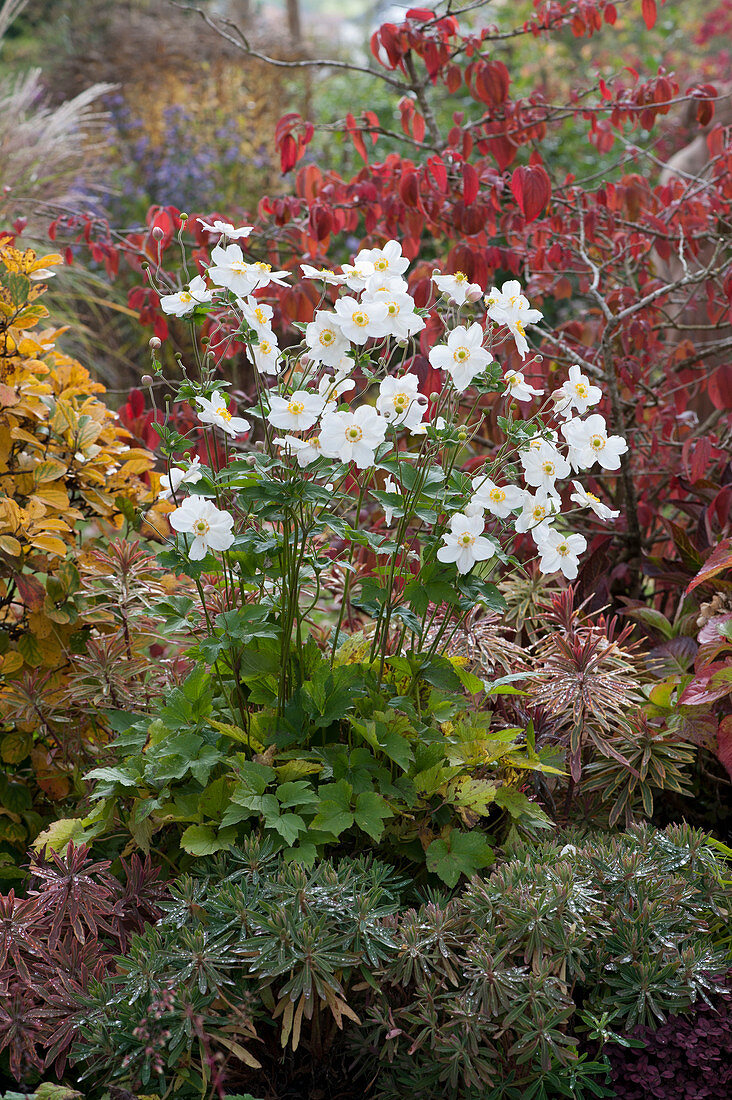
(51, 469)
(39, 624)
(58, 835)
(50, 544)
(11, 546)
(53, 498)
(241, 1053)
(135, 466)
(25, 437)
(15, 746)
(296, 769)
(11, 662)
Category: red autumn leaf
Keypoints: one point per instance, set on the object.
(724, 743)
(422, 14)
(372, 122)
(718, 561)
(713, 683)
(491, 83)
(30, 590)
(700, 460)
(409, 189)
(418, 127)
(453, 78)
(531, 187)
(356, 137)
(437, 169)
(471, 184)
(650, 12)
(719, 387)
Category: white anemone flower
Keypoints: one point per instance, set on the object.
(465, 544)
(589, 500)
(210, 526)
(185, 301)
(325, 339)
(543, 465)
(170, 483)
(258, 315)
(297, 413)
(332, 388)
(508, 306)
(331, 278)
(390, 486)
(536, 513)
(518, 388)
(360, 321)
(226, 229)
(576, 393)
(265, 353)
(214, 411)
(589, 443)
(560, 553)
(385, 261)
(400, 401)
(358, 274)
(352, 436)
(463, 357)
(458, 287)
(380, 284)
(438, 425)
(402, 320)
(305, 450)
(230, 270)
(499, 500)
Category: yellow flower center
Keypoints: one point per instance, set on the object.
(314, 441)
(539, 512)
(512, 379)
(499, 495)
(259, 314)
(224, 413)
(201, 528)
(548, 468)
(466, 539)
(327, 337)
(354, 433)
(401, 401)
(296, 408)
(265, 347)
(392, 309)
(185, 296)
(382, 264)
(591, 496)
(597, 442)
(580, 389)
(563, 549)
(461, 354)
(360, 318)
(520, 327)
(263, 266)
(461, 277)
(238, 267)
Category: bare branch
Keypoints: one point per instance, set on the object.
(235, 36)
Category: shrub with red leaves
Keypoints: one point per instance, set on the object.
(688, 1058)
(76, 918)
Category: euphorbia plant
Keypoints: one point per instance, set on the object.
(339, 548)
